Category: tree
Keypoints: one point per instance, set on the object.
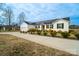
(21, 17)
(2, 6)
(8, 14)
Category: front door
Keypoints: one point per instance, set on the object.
(43, 27)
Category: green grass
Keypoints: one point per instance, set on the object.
(13, 46)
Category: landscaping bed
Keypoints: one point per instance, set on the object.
(72, 34)
(13, 46)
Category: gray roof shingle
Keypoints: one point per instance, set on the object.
(47, 21)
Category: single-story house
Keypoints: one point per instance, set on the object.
(61, 24)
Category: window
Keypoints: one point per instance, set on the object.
(36, 26)
(51, 26)
(60, 26)
(47, 26)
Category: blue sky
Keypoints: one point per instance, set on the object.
(46, 11)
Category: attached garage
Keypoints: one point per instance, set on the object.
(25, 26)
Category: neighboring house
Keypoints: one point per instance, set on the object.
(61, 24)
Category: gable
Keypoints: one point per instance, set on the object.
(24, 24)
(61, 21)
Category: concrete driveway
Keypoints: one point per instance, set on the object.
(71, 46)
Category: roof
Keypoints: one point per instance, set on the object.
(30, 23)
(47, 21)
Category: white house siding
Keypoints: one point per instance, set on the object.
(66, 25)
(45, 26)
(31, 26)
(24, 27)
(39, 27)
(49, 27)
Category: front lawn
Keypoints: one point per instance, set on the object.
(13, 46)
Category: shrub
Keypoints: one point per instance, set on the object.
(44, 33)
(65, 34)
(39, 32)
(77, 35)
(52, 33)
(59, 31)
(32, 31)
(72, 31)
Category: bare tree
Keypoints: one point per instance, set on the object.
(8, 14)
(2, 6)
(21, 17)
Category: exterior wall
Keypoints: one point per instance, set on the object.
(24, 27)
(31, 26)
(49, 27)
(38, 27)
(66, 25)
(45, 26)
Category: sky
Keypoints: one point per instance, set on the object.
(46, 11)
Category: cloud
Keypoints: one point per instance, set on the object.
(45, 11)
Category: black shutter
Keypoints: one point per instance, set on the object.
(62, 25)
